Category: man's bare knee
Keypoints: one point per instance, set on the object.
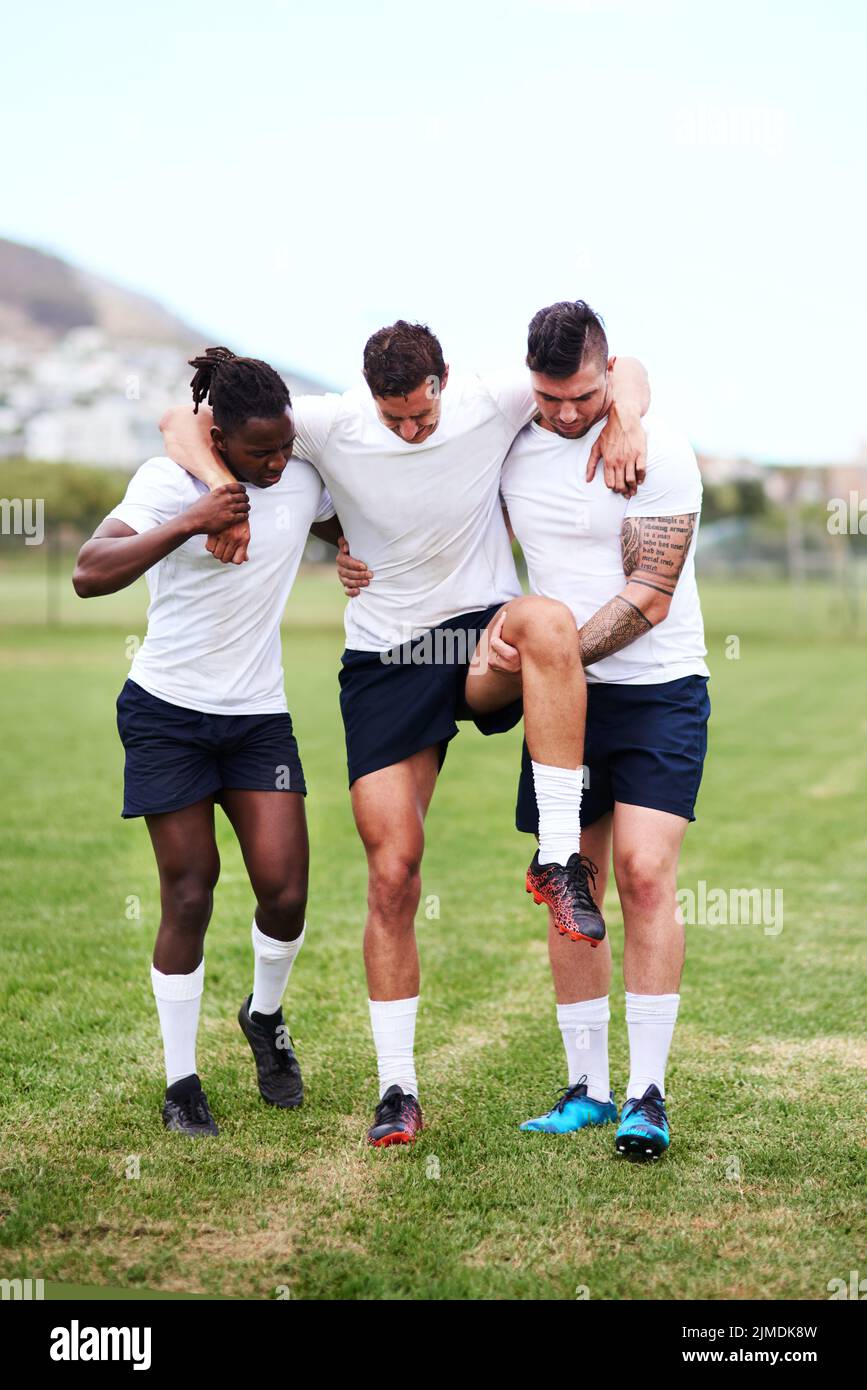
(187, 894)
(281, 908)
(645, 882)
(534, 620)
(394, 885)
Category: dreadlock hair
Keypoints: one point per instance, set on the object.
(237, 388)
(565, 336)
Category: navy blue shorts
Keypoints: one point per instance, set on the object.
(176, 756)
(396, 703)
(645, 745)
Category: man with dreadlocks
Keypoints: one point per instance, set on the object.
(414, 470)
(203, 716)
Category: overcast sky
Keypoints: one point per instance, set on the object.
(290, 176)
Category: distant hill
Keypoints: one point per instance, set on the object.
(42, 298)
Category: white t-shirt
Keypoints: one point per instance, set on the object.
(425, 517)
(213, 638)
(569, 531)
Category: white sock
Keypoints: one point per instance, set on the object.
(584, 1029)
(558, 796)
(272, 966)
(650, 1020)
(178, 1000)
(393, 1024)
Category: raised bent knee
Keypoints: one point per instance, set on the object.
(536, 620)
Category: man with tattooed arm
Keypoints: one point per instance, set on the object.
(622, 560)
(624, 564)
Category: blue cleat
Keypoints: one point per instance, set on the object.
(643, 1130)
(574, 1110)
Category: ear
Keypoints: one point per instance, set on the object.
(218, 439)
(610, 368)
(444, 378)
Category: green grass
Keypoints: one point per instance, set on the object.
(762, 1194)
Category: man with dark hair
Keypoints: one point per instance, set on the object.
(401, 357)
(624, 565)
(412, 462)
(565, 334)
(203, 716)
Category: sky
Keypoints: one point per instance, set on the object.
(289, 175)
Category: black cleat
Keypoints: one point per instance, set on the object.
(397, 1119)
(277, 1069)
(186, 1108)
(567, 893)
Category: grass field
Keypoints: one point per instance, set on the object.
(762, 1194)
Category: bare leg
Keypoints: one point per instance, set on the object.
(646, 851)
(580, 975)
(551, 679)
(582, 980)
(390, 807)
(189, 865)
(185, 848)
(272, 831)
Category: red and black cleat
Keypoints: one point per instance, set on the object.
(397, 1119)
(567, 893)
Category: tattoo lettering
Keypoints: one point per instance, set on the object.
(615, 625)
(654, 549)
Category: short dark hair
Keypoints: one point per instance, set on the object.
(397, 359)
(563, 337)
(237, 388)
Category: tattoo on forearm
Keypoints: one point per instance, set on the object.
(654, 549)
(615, 625)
